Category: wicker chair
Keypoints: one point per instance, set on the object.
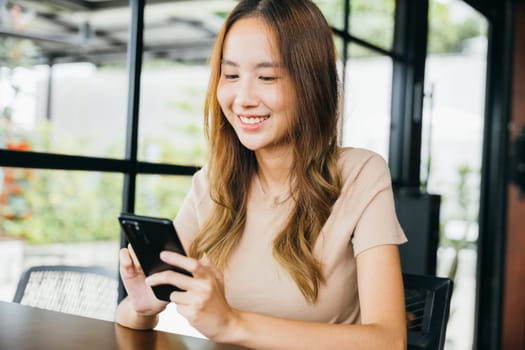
(427, 304)
(78, 290)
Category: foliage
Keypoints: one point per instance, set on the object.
(75, 206)
(161, 195)
(15, 52)
(373, 21)
(332, 10)
(449, 36)
(467, 199)
(14, 182)
(69, 207)
(54, 206)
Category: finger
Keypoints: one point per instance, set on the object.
(125, 258)
(179, 260)
(127, 267)
(173, 278)
(134, 258)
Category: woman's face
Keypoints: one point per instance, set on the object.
(255, 91)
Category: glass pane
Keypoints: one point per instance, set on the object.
(178, 40)
(63, 78)
(50, 217)
(373, 21)
(161, 195)
(333, 12)
(453, 120)
(368, 85)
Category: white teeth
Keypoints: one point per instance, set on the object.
(253, 120)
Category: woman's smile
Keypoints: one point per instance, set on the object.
(252, 122)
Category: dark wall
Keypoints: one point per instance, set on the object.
(513, 329)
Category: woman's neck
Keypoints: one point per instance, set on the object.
(273, 171)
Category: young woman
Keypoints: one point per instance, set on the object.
(292, 240)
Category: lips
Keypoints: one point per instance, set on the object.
(252, 119)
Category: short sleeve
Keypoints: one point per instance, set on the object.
(191, 213)
(377, 223)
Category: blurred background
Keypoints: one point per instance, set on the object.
(101, 112)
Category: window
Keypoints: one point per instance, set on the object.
(364, 40)
(53, 56)
(56, 217)
(178, 38)
(368, 84)
(66, 169)
(453, 117)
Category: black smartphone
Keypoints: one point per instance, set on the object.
(149, 236)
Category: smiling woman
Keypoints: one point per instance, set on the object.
(317, 268)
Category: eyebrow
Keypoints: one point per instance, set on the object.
(259, 65)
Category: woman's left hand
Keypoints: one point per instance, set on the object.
(203, 303)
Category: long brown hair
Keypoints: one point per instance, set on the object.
(307, 52)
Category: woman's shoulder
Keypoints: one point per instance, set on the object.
(200, 177)
(354, 159)
(200, 184)
(362, 168)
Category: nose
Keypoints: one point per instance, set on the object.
(246, 94)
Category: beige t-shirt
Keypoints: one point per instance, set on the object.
(363, 217)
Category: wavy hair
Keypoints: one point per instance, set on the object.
(307, 51)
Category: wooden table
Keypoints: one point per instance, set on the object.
(27, 328)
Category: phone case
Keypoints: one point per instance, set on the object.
(149, 236)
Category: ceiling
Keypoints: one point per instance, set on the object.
(98, 30)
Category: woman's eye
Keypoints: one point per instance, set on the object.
(267, 78)
(231, 76)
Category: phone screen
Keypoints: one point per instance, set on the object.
(149, 236)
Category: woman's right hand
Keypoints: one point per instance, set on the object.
(140, 294)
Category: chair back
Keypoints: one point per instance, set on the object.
(427, 304)
(418, 215)
(89, 291)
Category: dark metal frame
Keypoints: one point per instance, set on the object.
(134, 74)
(403, 64)
(39, 160)
(408, 55)
(494, 175)
(410, 40)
